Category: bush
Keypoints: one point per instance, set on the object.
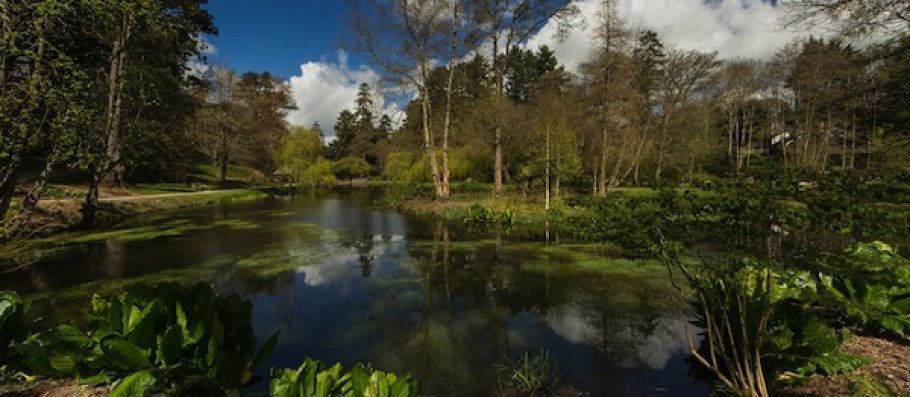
(351, 168)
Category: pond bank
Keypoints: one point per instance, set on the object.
(59, 215)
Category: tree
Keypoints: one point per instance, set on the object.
(853, 17)
(265, 101)
(606, 71)
(134, 37)
(345, 131)
(300, 157)
(685, 74)
(43, 97)
(403, 38)
(506, 24)
(350, 168)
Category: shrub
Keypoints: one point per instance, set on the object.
(350, 168)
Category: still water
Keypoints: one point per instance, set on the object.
(348, 281)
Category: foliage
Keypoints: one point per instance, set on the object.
(312, 378)
(757, 326)
(300, 157)
(478, 214)
(529, 375)
(405, 167)
(13, 324)
(350, 168)
(870, 286)
(183, 341)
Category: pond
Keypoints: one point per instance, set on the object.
(349, 281)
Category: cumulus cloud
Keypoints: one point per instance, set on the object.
(323, 89)
(733, 28)
(197, 66)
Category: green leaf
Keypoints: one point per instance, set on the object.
(125, 354)
(137, 384)
(63, 363)
(360, 380)
(170, 346)
(265, 351)
(181, 321)
(141, 326)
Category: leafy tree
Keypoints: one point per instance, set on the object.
(300, 157)
(350, 168)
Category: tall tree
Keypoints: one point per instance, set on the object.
(122, 29)
(608, 64)
(507, 24)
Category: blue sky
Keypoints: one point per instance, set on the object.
(275, 35)
(298, 40)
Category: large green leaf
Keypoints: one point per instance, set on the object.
(265, 351)
(141, 325)
(360, 380)
(64, 364)
(137, 384)
(125, 354)
(170, 346)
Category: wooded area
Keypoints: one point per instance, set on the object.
(775, 189)
(124, 99)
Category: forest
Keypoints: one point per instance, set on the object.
(773, 195)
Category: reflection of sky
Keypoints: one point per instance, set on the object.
(655, 350)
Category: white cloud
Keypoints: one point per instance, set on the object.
(323, 89)
(196, 66)
(733, 28)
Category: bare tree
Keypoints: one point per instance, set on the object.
(852, 17)
(505, 24)
(405, 39)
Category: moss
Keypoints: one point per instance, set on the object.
(236, 224)
(168, 229)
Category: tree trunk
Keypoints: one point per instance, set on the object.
(90, 205)
(604, 148)
(30, 203)
(497, 165)
(428, 143)
(224, 155)
(497, 139)
(113, 167)
(853, 143)
(7, 190)
(453, 59)
(547, 172)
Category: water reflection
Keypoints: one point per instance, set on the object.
(348, 282)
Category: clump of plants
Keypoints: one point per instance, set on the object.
(477, 214)
(869, 288)
(314, 379)
(766, 325)
(531, 375)
(170, 339)
(166, 338)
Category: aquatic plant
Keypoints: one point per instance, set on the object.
(529, 375)
(313, 379)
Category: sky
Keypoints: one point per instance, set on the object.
(299, 40)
